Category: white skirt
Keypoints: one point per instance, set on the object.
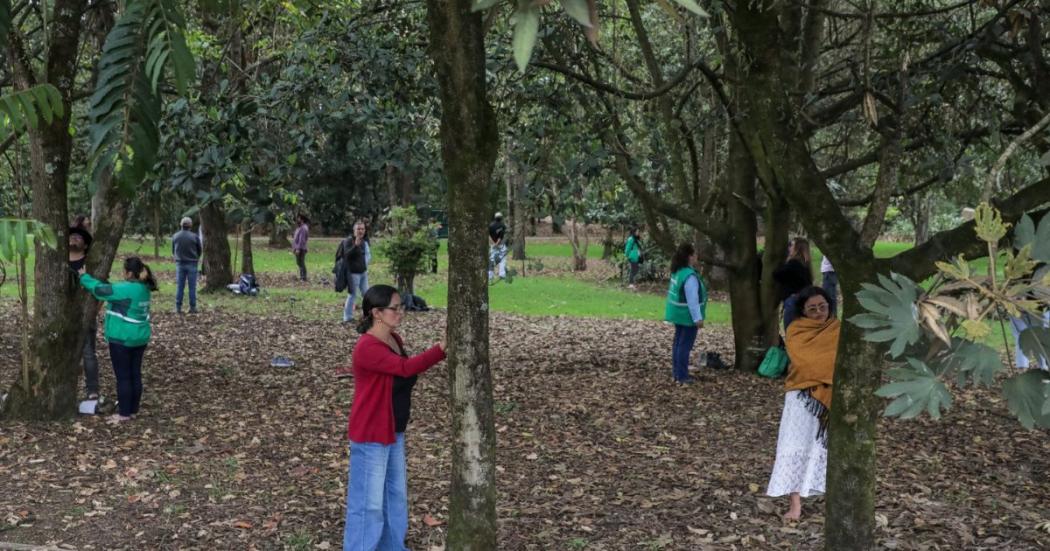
(802, 461)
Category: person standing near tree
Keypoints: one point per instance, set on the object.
(686, 309)
(127, 329)
(79, 244)
(632, 249)
(357, 254)
(384, 375)
(186, 249)
(299, 239)
(795, 274)
(801, 465)
(498, 248)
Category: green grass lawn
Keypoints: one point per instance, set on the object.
(537, 296)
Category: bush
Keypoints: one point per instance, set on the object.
(409, 245)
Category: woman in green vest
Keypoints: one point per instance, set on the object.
(127, 329)
(633, 251)
(686, 309)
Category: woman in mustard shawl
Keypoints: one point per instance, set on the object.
(802, 455)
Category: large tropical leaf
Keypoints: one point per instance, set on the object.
(125, 109)
(1026, 395)
(25, 109)
(980, 361)
(915, 388)
(17, 236)
(1027, 233)
(893, 316)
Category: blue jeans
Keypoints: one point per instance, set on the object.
(377, 497)
(127, 370)
(358, 282)
(684, 338)
(185, 272)
(830, 283)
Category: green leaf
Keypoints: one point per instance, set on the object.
(526, 29)
(918, 389)
(692, 6)
(1035, 341)
(1026, 397)
(893, 315)
(578, 10)
(980, 361)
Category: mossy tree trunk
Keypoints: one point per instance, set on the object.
(470, 144)
(216, 247)
(55, 338)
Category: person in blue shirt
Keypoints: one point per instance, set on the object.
(686, 308)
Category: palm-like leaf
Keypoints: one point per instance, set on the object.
(125, 109)
(893, 315)
(27, 108)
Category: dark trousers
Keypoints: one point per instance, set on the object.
(90, 359)
(632, 275)
(830, 283)
(300, 260)
(127, 369)
(684, 338)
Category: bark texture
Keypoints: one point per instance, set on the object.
(216, 248)
(469, 147)
(55, 337)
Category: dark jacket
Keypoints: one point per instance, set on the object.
(186, 247)
(791, 277)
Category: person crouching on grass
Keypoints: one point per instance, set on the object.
(384, 374)
(127, 329)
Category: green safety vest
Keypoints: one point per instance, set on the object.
(127, 310)
(677, 310)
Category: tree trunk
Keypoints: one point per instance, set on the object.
(608, 245)
(247, 266)
(521, 218)
(850, 501)
(216, 247)
(391, 184)
(279, 238)
(920, 217)
(470, 143)
(749, 308)
(579, 252)
(56, 339)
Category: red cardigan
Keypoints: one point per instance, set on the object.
(375, 365)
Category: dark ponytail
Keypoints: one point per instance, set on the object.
(136, 267)
(377, 296)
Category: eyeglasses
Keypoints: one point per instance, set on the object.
(399, 308)
(823, 307)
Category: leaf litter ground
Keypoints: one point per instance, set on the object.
(597, 449)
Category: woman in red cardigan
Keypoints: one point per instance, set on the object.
(377, 493)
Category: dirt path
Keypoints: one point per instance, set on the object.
(598, 450)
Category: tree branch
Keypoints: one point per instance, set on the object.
(917, 263)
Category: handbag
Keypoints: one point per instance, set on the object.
(774, 363)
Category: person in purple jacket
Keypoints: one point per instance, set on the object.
(302, 234)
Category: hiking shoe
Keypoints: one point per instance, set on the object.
(343, 371)
(193, 310)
